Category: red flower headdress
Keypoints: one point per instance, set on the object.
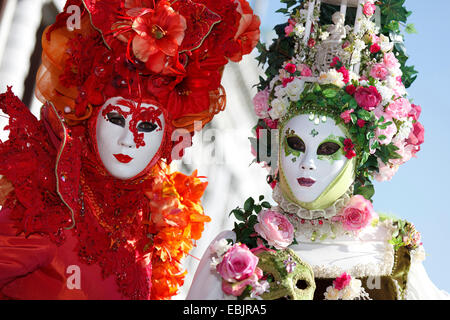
(172, 53)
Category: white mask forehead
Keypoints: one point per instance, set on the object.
(307, 173)
(116, 144)
(314, 129)
(116, 101)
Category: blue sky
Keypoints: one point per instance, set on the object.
(420, 191)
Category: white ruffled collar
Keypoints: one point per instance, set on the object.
(293, 208)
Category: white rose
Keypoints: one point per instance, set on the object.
(359, 45)
(295, 88)
(332, 294)
(220, 247)
(385, 44)
(353, 76)
(356, 57)
(324, 36)
(279, 108)
(303, 14)
(280, 92)
(299, 29)
(385, 92)
(405, 129)
(332, 77)
(364, 83)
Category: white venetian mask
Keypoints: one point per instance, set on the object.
(128, 136)
(311, 155)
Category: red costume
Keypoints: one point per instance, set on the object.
(63, 215)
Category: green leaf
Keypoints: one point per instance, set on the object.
(239, 214)
(266, 205)
(329, 93)
(257, 208)
(365, 115)
(410, 29)
(317, 88)
(367, 191)
(365, 157)
(248, 205)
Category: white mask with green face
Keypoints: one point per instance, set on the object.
(312, 161)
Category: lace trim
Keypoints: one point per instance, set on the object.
(303, 213)
(318, 229)
(363, 270)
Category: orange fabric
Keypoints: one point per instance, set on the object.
(5, 188)
(218, 101)
(54, 56)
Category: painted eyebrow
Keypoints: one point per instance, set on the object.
(333, 138)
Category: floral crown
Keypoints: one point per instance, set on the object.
(324, 64)
(171, 52)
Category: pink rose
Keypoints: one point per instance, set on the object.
(261, 104)
(346, 115)
(305, 71)
(275, 228)
(405, 151)
(369, 8)
(345, 74)
(388, 133)
(415, 112)
(375, 38)
(237, 288)
(238, 264)
(390, 130)
(368, 98)
(342, 281)
(290, 27)
(386, 171)
(288, 30)
(399, 108)
(379, 71)
(417, 135)
(390, 61)
(357, 214)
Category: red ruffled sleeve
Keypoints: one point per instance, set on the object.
(20, 256)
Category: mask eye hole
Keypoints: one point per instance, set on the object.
(296, 143)
(328, 148)
(147, 127)
(116, 118)
(301, 284)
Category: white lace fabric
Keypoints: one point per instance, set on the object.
(303, 213)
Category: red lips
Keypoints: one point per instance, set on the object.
(123, 158)
(306, 182)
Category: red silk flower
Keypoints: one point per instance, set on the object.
(159, 33)
(247, 35)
